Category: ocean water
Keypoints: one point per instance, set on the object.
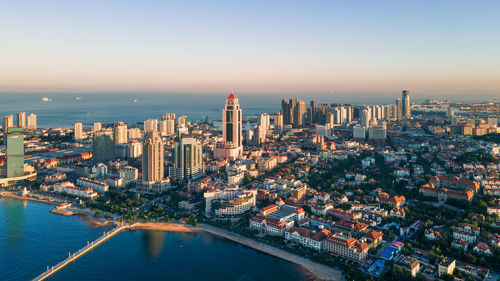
(31, 238)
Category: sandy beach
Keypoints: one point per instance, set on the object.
(174, 227)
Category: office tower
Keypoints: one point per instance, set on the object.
(97, 126)
(299, 115)
(378, 132)
(399, 109)
(168, 116)
(187, 159)
(78, 131)
(134, 133)
(15, 152)
(152, 158)
(21, 119)
(8, 122)
(493, 121)
(450, 112)
(120, 133)
(287, 111)
(406, 108)
(359, 132)
(32, 122)
(150, 125)
(278, 121)
(232, 145)
(103, 147)
(134, 149)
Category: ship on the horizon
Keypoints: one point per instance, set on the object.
(46, 99)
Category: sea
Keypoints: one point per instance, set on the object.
(65, 109)
(32, 238)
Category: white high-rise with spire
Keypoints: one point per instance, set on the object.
(232, 145)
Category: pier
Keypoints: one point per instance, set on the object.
(74, 256)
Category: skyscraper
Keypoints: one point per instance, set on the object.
(78, 131)
(150, 125)
(21, 119)
(152, 158)
(8, 122)
(406, 109)
(278, 121)
(120, 133)
(103, 147)
(167, 127)
(187, 159)
(232, 145)
(15, 152)
(294, 112)
(32, 122)
(399, 109)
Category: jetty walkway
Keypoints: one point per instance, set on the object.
(72, 257)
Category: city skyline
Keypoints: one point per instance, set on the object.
(360, 48)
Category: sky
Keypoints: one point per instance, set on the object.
(309, 46)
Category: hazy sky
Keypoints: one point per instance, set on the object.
(251, 46)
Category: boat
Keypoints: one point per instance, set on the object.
(135, 101)
(46, 99)
(78, 98)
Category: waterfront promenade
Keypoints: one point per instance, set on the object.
(72, 257)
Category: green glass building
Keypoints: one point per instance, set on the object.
(15, 152)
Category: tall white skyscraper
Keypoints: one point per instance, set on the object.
(21, 119)
(120, 133)
(78, 131)
(32, 122)
(232, 145)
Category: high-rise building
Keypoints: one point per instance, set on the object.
(232, 145)
(152, 158)
(134, 133)
(15, 152)
(134, 149)
(399, 109)
(294, 112)
(168, 116)
(103, 147)
(365, 116)
(150, 125)
(378, 132)
(120, 133)
(187, 159)
(21, 119)
(278, 121)
(493, 121)
(359, 132)
(167, 127)
(8, 122)
(406, 106)
(32, 122)
(78, 131)
(182, 121)
(97, 126)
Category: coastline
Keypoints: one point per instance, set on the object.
(13, 196)
(310, 269)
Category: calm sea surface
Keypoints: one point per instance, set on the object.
(32, 238)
